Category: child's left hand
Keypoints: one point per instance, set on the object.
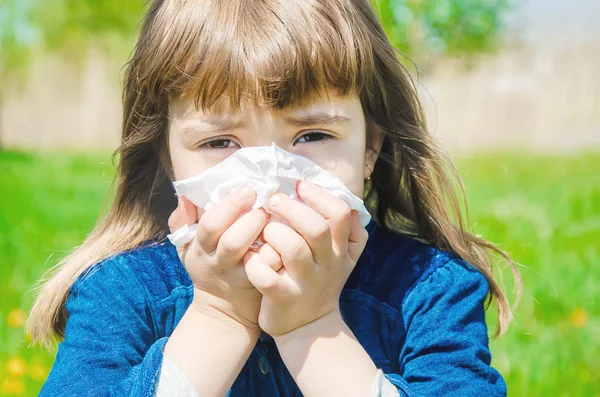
(302, 268)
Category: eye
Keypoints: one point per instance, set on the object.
(216, 144)
(313, 137)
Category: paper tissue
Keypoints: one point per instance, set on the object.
(267, 169)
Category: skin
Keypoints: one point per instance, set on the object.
(290, 286)
(196, 145)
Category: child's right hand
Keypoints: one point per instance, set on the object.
(213, 259)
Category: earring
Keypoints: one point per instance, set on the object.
(370, 172)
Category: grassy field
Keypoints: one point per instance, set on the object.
(545, 211)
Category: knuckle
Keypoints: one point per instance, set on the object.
(269, 284)
(228, 245)
(321, 231)
(206, 226)
(238, 203)
(235, 206)
(295, 292)
(344, 213)
(298, 250)
(195, 249)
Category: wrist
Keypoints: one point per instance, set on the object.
(325, 358)
(328, 325)
(202, 325)
(222, 314)
(210, 349)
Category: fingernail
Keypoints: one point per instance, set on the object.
(275, 200)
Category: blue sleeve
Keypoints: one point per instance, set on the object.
(110, 347)
(445, 352)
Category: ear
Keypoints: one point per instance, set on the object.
(373, 147)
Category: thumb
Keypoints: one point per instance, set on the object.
(186, 213)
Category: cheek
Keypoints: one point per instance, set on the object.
(346, 162)
(181, 169)
(347, 171)
(186, 163)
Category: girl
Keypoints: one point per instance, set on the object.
(324, 307)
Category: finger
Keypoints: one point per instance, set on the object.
(307, 222)
(270, 257)
(185, 214)
(236, 240)
(358, 238)
(264, 279)
(219, 218)
(333, 209)
(294, 251)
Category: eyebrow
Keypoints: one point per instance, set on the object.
(320, 118)
(219, 124)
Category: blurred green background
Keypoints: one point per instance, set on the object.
(530, 161)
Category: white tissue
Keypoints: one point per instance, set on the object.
(268, 170)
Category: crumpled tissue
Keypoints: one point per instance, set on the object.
(268, 170)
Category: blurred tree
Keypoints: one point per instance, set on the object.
(424, 30)
(15, 38)
(434, 28)
(420, 28)
(72, 27)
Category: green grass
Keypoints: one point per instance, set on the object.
(545, 211)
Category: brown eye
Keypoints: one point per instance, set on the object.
(219, 144)
(313, 137)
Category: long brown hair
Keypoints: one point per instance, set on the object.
(278, 53)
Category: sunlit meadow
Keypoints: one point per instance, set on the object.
(545, 211)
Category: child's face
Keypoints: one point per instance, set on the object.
(329, 131)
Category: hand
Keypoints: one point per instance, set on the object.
(213, 259)
(317, 253)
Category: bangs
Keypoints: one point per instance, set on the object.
(276, 54)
